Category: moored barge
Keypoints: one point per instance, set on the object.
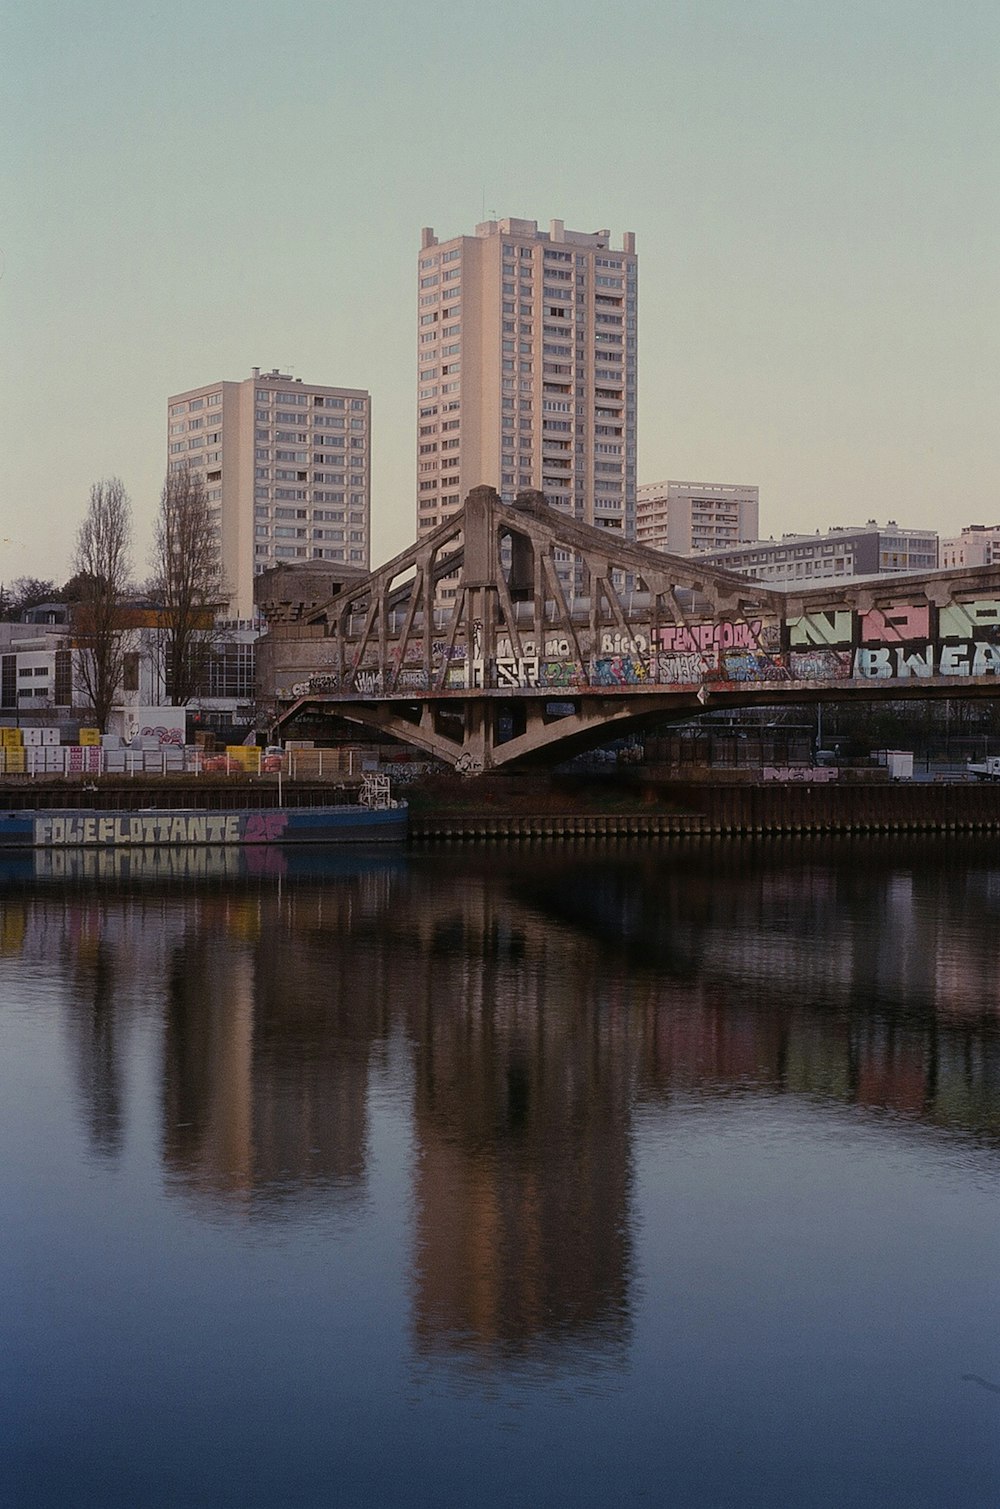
(151, 828)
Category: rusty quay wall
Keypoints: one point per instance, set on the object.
(742, 810)
(469, 827)
(903, 807)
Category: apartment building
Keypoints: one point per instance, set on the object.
(977, 545)
(856, 551)
(287, 472)
(686, 516)
(526, 344)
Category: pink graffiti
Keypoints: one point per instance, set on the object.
(900, 622)
(163, 735)
(265, 862)
(688, 639)
(264, 827)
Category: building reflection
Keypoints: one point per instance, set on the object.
(540, 1000)
(270, 1030)
(104, 961)
(523, 1069)
(860, 972)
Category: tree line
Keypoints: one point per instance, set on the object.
(184, 587)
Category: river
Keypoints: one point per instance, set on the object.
(575, 1175)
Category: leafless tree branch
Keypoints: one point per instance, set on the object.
(186, 581)
(103, 564)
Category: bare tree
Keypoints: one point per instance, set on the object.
(103, 566)
(186, 580)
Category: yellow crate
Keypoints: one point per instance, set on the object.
(90, 736)
(246, 756)
(11, 738)
(12, 761)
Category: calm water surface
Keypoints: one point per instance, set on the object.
(556, 1176)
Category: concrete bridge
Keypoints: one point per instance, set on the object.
(557, 636)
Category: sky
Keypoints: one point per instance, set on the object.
(190, 190)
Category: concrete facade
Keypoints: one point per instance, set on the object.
(527, 345)
(805, 558)
(287, 472)
(686, 516)
(977, 545)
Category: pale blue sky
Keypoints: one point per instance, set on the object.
(187, 187)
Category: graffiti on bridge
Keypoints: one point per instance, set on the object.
(894, 642)
(754, 666)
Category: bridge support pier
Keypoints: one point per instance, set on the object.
(477, 750)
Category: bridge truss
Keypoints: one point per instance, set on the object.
(513, 632)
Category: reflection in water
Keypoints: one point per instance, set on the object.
(543, 998)
(521, 1108)
(96, 1030)
(270, 1030)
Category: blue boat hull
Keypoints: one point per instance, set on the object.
(68, 829)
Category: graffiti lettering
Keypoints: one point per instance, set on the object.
(978, 658)
(679, 670)
(514, 672)
(879, 625)
(442, 651)
(821, 628)
(820, 665)
(558, 673)
(961, 620)
(141, 828)
(264, 827)
(987, 659)
(619, 670)
(755, 667)
(558, 649)
(624, 644)
(169, 736)
(719, 636)
(893, 641)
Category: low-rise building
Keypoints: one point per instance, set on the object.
(977, 545)
(36, 666)
(858, 551)
(40, 675)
